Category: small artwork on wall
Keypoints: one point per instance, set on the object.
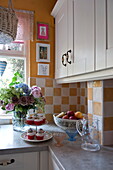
(42, 52)
(42, 31)
(43, 69)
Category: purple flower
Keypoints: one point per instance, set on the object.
(1, 102)
(23, 100)
(9, 107)
(30, 99)
(24, 87)
(15, 100)
(35, 87)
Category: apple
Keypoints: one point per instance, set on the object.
(78, 115)
(72, 117)
(70, 113)
(65, 117)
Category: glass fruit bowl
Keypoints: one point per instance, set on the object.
(64, 123)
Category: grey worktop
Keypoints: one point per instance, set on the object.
(68, 157)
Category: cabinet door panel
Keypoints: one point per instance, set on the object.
(61, 41)
(84, 33)
(100, 14)
(109, 33)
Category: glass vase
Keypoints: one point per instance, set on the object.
(18, 121)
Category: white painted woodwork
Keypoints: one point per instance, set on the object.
(109, 33)
(61, 40)
(44, 160)
(23, 161)
(83, 36)
(52, 164)
(100, 28)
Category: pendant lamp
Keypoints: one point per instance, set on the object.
(8, 24)
(3, 65)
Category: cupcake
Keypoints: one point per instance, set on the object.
(40, 134)
(43, 119)
(30, 134)
(38, 121)
(30, 120)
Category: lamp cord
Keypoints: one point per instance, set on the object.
(10, 5)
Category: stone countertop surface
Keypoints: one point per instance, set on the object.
(68, 157)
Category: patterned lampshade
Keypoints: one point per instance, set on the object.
(2, 67)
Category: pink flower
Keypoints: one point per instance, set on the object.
(35, 87)
(9, 107)
(36, 93)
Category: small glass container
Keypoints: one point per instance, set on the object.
(59, 138)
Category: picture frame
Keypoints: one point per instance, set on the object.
(42, 52)
(43, 69)
(42, 31)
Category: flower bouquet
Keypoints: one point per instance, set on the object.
(20, 98)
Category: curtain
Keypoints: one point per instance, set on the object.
(25, 25)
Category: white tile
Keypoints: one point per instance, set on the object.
(40, 82)
(90, 106)
(90, 84)
(108, 138)
(100, 122)
(108, 109)
(73, 85)
(72, 100)
(98, 94)
(56, 100)
(64, 107)
(82, 100)
(65, 92)
(48, 91)
(108, 83)
(49, 109)
(83, 85)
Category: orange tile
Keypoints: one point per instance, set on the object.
(82, 91)
(78, 100)
(97, 108)
(57, 91)
(49, 99)
(108, 94)
(108, 123)
(43, 91)
(73, 107)
(57, 108)
(65, 100)
(73, 91)
(82, 108)
(90, 93)
(97, 83)
(86, 101)
(49, 83)
(32, 81)
(65, 85)
(49, 117)
(78, 85)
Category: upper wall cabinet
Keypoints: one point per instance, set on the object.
(63, 36)
(104, 34)
(84, 40)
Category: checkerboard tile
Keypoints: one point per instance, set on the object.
(62, 97)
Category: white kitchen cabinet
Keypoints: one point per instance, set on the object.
(88, 33)
(20, 161)
(64, 37)
(52, 164)
(44, 160)
(83, 36)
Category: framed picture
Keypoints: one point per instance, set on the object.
(43, 69)
(42, 52)
(42, 31)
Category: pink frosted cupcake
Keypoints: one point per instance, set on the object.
(30, 120)
(40, 134)
(38, 121)
(30, 134)
(43, 119)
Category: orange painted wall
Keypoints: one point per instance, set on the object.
(42, 9)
